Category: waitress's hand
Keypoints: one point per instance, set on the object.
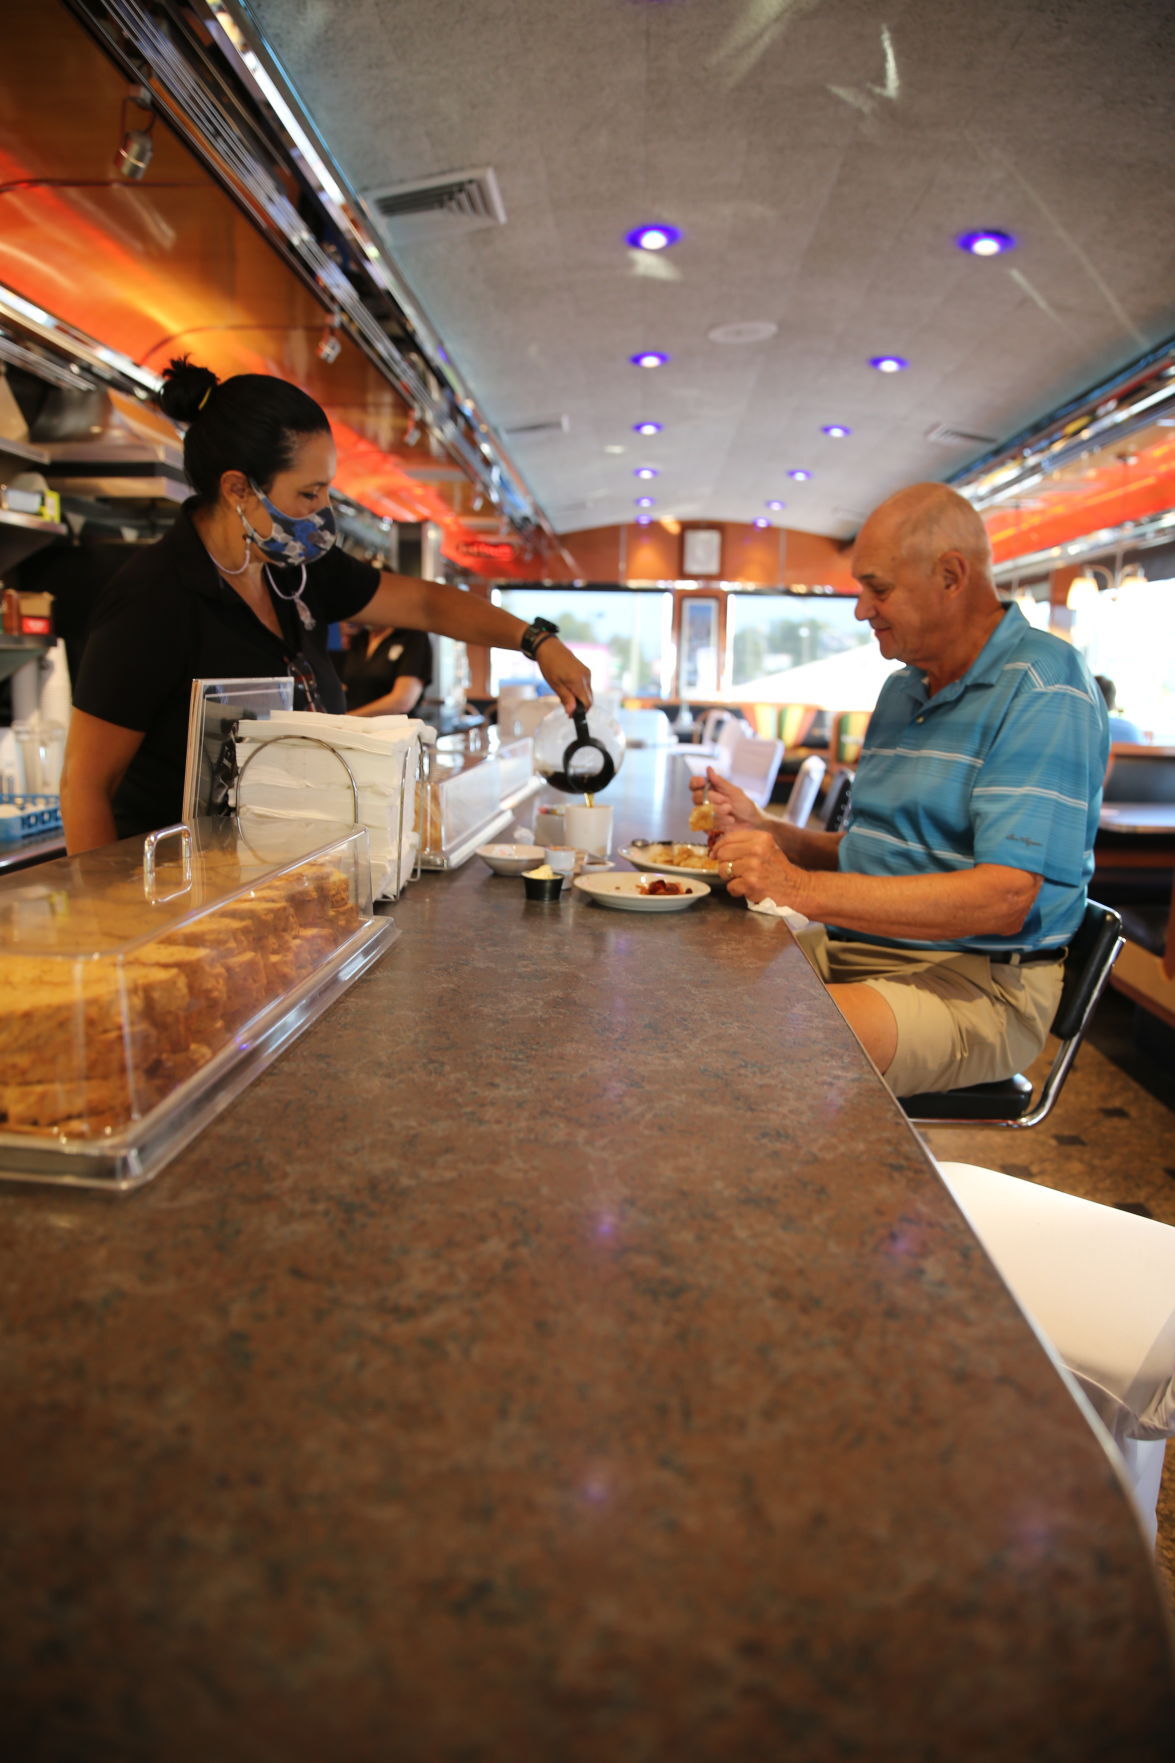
(567, 677)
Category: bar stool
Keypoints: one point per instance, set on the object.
(1099, 1285)
(1009, 1102)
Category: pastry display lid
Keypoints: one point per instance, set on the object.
(142, 985)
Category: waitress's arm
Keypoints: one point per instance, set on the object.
(97, 754)
(431, 606)
(403, 697)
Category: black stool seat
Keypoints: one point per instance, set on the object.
(1092, 954)
(1006, 1100)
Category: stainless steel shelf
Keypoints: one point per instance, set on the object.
(33, 523)
(10, 449)
(16, 650)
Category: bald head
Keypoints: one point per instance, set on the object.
(920, 523)
(924, 572)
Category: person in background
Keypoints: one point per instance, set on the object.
(1121, 727)
(943, 912)
(244, 586)
(385, 672)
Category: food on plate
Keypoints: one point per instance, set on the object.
(679, 856)
(702, 819)
(651, 885)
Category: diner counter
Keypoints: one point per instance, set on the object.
(566, 1351)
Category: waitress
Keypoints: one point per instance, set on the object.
(243, 586)
(385, 673)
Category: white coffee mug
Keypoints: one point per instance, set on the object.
(590, 829)
(548, 826)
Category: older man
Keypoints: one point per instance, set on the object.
(942, 913)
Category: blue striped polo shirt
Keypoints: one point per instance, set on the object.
(1005, 765)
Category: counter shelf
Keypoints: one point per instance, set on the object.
(459, 807)
(143, 985)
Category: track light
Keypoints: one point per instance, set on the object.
(136, 147)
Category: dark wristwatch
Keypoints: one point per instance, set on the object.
(535, 633)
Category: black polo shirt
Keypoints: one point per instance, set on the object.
(368, 677)
(167, 618)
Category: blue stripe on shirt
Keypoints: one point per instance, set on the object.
(1003, 766)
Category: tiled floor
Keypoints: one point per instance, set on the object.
(1110, 1138)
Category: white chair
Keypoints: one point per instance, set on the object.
(754, 766)
(1100, 1286)
(720, 753)
(646, 728)
(804, 791)
(523, 716)
(718, 729)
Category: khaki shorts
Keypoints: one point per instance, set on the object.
(962, 1019)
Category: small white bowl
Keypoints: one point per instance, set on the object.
(511, 859)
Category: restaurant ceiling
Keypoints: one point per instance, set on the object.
(820, 158)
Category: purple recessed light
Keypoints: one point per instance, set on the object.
(888, 363)
(762, 520)
(835, 430)
(653, 238)
(649, 358)
(644, 520)
(775, 505)
(644, 502)
(645, 471)
(800, 476)
(646, 428)
(986, 243)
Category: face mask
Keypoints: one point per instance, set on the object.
(294, 539)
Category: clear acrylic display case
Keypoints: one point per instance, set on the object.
(459, 807)
(144, 984)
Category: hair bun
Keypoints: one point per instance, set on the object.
(185, 388)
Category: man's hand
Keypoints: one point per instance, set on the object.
(732, 806)
(567, 677)
(756, 869)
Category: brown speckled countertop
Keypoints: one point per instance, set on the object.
(565, 1353)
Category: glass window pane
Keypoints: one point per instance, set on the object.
(699, 647)
(623, 636)
(769, 636)
(1129, 636)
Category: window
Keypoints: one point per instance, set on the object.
(1128, 634)
(770, 635)
(699, 647)
(624, 636)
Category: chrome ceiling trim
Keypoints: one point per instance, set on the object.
(222, 144)
(1115, 409)
(1138, 535)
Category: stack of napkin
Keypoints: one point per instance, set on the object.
(292, 780)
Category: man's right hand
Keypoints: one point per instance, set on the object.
(732, 806)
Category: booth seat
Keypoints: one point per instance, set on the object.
(1099, 1285)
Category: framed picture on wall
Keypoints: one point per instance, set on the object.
(701, 551)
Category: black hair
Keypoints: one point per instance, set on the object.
(1107, 689)
(250, 423)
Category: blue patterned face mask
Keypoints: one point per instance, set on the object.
(294, 539)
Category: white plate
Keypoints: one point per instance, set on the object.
(512, 859)
(622, 889)
(639, 858)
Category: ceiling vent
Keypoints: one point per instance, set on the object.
(943, 435)
(542, 425)
(438, 207)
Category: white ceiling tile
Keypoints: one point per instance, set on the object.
(819, 156)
